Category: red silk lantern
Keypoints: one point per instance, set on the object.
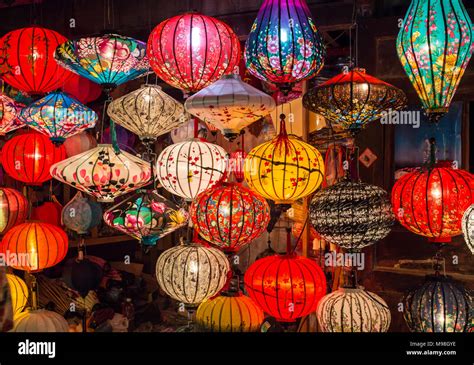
(29, 156)
(79, 143)
(36, 246)
(236, 160)
(191, 51)
(286, 287)
(82, 89)
(13, 208)
(48, 212)
(431, 202)
(27, 63)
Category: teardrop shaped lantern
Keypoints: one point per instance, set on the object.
(284, 46)
(18, 294)
(191, 51)
(13, 209)
(40, 320)
(108, 60)
(9, 112)
(81, 214)
(284, 169)
(148, 112)
(146, 216)
(353, 99)
(27, 62)
(103, 172)
(435, 45)
(230, 104)
(468, 227)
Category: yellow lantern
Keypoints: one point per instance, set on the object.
(284, 169)
(19, 294)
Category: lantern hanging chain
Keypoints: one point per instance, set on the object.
(439, 263)
(298, 240)
(34, 291)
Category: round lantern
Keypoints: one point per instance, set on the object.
(188, 168)
(148, 112)
(47, 212)
(103, 173)
(79, 143)
(81, 214)
(146, 216)
(236, 164)
(230, 216)
(229, 313)
(18, 294)
(192, 273)
(27, 62)
(82, 89)
(36, 246)
(230, 104)
(353, 310)
(13, 209)
(286, 287)
(108, 60)
(186, 131)
(284, 169)
(284, 45)
(9, 111)
(439, 305)
(58, 116)
(40, 320)
(468, 227)
(435, 45)
(431, 202)
(29, 156)
(192, 50)
(353, 99)
(351, 214)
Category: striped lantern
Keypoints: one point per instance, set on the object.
(40, 320)
(9, 111)
(13, 209)
(468, 227)
(18, 293)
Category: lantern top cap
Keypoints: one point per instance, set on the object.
(231, 76)
(158, 87)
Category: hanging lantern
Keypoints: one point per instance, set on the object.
(103, 173)
(439, 305)
(79, 143)
(191, 51)
(9, 111)
(37, 246)
(27, 157)
(192, 273)
(468, 227)
(353, 99)
(47, 212)
(81, 214)
(284, 45)
(285, 287)
(230, 104)
(146, 216)
(13, 209)
(108, 60)
(229, 313)
(352, 215)
(58, 116)
(435, 45)
(40, 320)
(236, 165)
(431, 202)
(186, 131)
(27, 63)
(148, 112)
(188, 168)
(82, 89)
(18, 294)
(230, 216)
(353, 310)
(284, 169)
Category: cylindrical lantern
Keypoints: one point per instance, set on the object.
(431, 202)
(27, 63)
(79, 143)
(82, 89)
(188, 168)
(192, 50)
(18, 294)
(47, 212)
(439, 305)
(9, 112)
(40, 320)
(29, 156)
(352, 215)
(286, 287)
(230, 216)
(192, 273)
(81, 214)
(13, 209)
(353, 310)
(468, 227)
(229, 313)
(37, 246)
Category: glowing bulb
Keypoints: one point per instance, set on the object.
(193, 267)
(283, 35)
(435, 193)
(196, 38)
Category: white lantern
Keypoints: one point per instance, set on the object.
(40, 320)
(188, 168)
(468, 227)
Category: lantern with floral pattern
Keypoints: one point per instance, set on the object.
(9, 112)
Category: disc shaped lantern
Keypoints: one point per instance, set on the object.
(230, 104)
(352, 215)
(58, 116)
(13, 209)
(27, 62)
(468, 227)
(146, 216)
(81, 214)
(18, 294)
(103, 172)
(353, 99)
(9, 112)
(284, 46)
(230, 216)
(148, 112)
(435, 44)
(108, 60)
(431, 202)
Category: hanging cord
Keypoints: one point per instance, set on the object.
(430, 162)
(298, 240)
